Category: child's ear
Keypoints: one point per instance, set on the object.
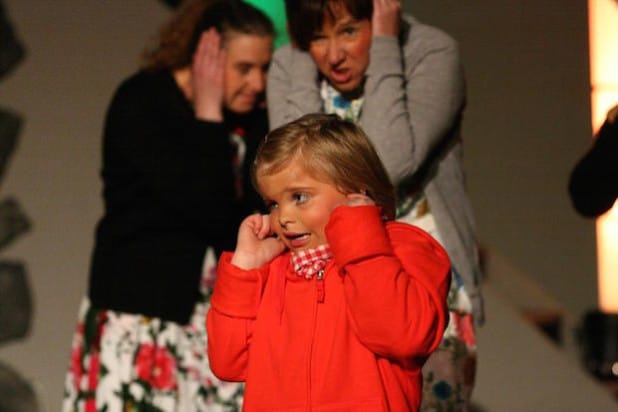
(359, 199)
(367, 193)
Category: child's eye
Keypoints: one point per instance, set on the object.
(300, 197)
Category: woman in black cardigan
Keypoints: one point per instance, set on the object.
(178, 141)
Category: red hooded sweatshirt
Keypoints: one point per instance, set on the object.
(354, 340)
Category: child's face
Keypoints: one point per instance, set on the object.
(300, 206)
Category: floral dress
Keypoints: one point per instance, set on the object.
(126, 362)
(448, 374)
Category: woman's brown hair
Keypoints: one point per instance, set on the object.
(332, 150)
(178, 39)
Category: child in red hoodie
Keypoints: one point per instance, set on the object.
(327, 304)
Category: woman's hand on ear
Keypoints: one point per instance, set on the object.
(255, 245)
(207, 77)
(386, 17)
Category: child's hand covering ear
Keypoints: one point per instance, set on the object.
(255, 245)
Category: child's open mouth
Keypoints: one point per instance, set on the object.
(297, 240)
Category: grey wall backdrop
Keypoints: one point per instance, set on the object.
(526, 124)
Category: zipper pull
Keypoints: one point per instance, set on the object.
(320, 285)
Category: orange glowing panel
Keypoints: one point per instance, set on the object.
(603, 33)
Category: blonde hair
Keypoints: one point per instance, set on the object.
(331, 149)
(178, 39)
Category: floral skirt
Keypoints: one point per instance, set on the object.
(448, 374)
(126, 362)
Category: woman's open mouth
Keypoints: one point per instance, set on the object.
(339, 76)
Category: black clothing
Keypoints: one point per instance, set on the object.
(593, 185)
(12, 50)
(169, 192)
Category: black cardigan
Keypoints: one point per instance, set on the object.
(169, 192)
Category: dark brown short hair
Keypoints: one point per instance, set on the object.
(306, 17)
(332, 150)
(179, 38)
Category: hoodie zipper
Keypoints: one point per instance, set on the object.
(320, 286)
(320, 299)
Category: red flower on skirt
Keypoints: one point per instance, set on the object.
(156, 366)
(93, 371)
(94, 368)
(76, 366)
(465, 328)
(91, 405)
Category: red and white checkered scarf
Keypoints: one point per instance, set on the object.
(308, 262)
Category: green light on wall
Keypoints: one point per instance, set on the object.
(275, 9)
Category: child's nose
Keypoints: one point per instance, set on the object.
(284, 218)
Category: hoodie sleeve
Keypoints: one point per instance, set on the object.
(396, 279)
(229, 322)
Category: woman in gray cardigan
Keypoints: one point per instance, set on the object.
(402, 81)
